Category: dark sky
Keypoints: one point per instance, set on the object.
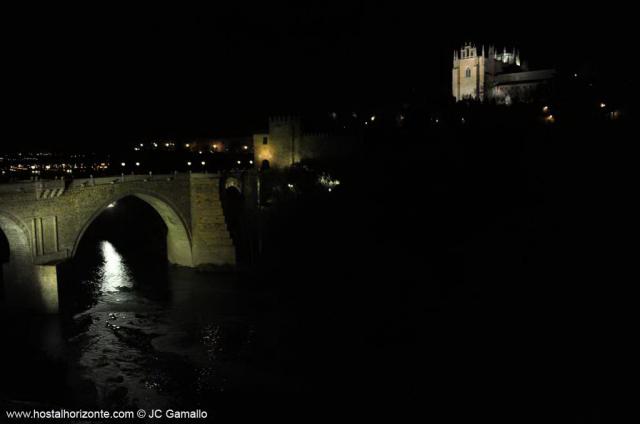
(83, 76)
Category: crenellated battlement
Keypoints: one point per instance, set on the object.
(316, 134)
(283, 119)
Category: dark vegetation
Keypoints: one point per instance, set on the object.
(463, 257)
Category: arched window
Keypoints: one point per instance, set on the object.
(467, 73)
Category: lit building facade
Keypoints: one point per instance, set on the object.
(489, 75)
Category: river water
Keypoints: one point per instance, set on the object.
(136, 332)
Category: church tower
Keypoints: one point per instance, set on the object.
(468, 75)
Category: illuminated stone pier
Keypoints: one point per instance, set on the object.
(44, 222)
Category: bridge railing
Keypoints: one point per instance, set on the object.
(53, 188)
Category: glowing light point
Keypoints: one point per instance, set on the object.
(110, 205)
(137, 163)
(602, 105)
(188, 163)
(123, 164)
(203, 163)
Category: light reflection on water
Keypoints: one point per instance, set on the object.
(138, 348)
(113, 272)
(133, 348)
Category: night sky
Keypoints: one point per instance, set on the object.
(95, 77)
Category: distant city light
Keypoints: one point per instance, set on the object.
(110, 205)
(290, 185)
(602, 105)
(187, 145)
(137, 163)
(188, 163)
(155, 144)
(251, 162)
(545, 109)
(328, 181)
(123, 164)
(200, 152)
(203, 163)
(141, 144)
(239, 162)
(373, 118)
(245, 147)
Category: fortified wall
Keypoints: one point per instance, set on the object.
(286, 143)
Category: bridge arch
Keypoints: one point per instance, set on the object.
(17, 237)
(17, 260)
(179, 239)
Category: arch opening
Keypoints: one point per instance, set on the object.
(174, 229)
(15, 253)
(126, 245)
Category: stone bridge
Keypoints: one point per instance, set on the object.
(44, 221)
